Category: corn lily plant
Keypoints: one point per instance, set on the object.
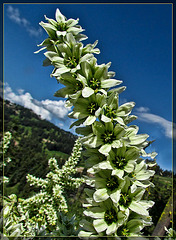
(114, 151)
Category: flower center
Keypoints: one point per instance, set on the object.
(62, 27)
(71, 62)
(125, 200)
(132, 175)
(93, 106)
(119, 162)
(122, 231)
(112, 183)
(110, 216)
(108, 137)
(94, 84)
(78, 86)
(109, 112)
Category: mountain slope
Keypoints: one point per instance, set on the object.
(33, 142)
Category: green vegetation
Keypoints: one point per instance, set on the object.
(160, 195)
(33, 142)
(56, 154)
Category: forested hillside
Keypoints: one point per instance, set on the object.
(33, 142)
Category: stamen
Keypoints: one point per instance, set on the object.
(110, 216)
(109, 112)
(62, 27)
(125, 200)
(119, 162)
(112, 183)
(71, 62)
(92, 108)
(122, 231)
(108, 137)
(94, 83)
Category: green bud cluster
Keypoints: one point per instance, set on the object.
(114, 150)
(4, 145)
(42, 208)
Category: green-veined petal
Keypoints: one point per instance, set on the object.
(100, 225)
(90, 120)
(118, 172)
(138, 139)
(100, 195)
(116, 144)
(87, 92)
(112, 228)
(105, 149)
(108, 83)
(138, 208)
(115, 196)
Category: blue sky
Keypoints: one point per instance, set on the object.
(136, 38)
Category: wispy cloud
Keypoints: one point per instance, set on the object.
(145, 116)
(15, 16)
(143, 109)
(47, 109)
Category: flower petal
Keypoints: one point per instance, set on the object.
(87, 92)
(138, 208)
(129, 167)
(125, 109)
(59, 16)
(112, 228)
(103, 165)
(116, 144)
(105, 149)
(147, 204)
(90, 120)
(115, 196)
(95, 212)
(138, 139)
(135, 225)
(105, 119)
(100, 225)
(101, 195)
(108, 83)
(118, 172)
(144, 175)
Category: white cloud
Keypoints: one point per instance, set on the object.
(56, 108)
(47, 109)
(14, 15)
(143, 109)
(20, 91)
(145, 116)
